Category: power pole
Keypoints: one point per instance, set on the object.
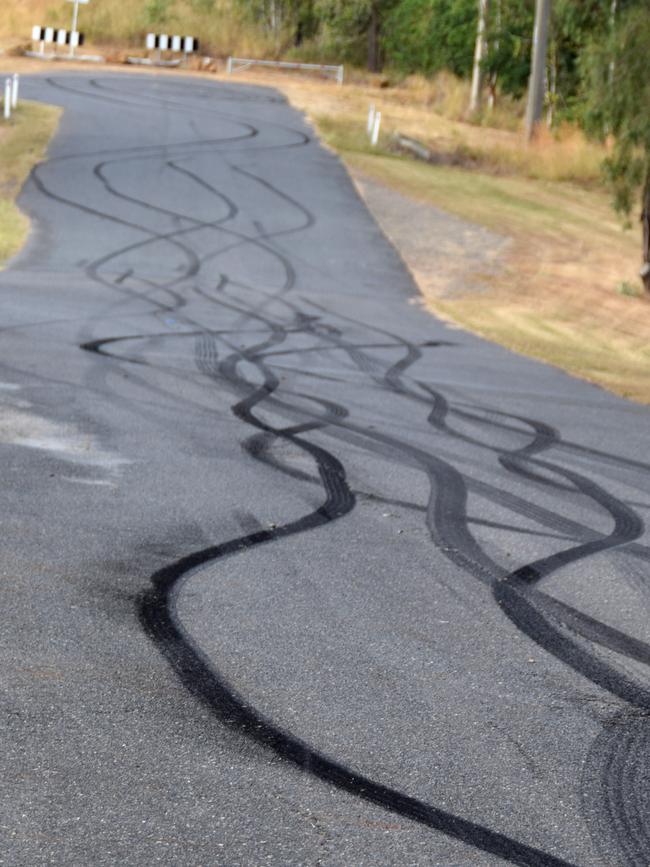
(479, 55)
(538, 69)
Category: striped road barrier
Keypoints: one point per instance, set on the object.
(56, 37)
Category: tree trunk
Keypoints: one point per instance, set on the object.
(374, 59)
(645, 220)
(480, 51)
(494, 77)
(551, 95)
(538, 69)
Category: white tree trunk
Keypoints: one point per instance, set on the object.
(480, 52)
(538, 69)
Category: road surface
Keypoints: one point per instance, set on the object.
(292, 572)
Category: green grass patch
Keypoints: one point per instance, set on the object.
(23, 143)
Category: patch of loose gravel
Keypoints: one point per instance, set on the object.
(447, 256)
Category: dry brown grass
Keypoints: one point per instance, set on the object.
(433, 112)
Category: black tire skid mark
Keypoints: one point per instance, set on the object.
(245, 239)
(92, 270)
(509, 589)
(261, 393)
(290, 278)
(302, 138)
(179, 108)
(162, 150)
(159, 617)
(628, 527)
(172, 237)
(244, 412)
(531, 614)
(614, 785)
(545, 437)
(460, 408)
(219, 91)
(198, 225)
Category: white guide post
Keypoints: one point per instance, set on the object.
(7, 100)
(75, 21)
(375, 129)
(14, 90)
(371, 118)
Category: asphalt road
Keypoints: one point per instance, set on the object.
(293, 573)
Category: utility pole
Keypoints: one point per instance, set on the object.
(538, 68)
(479, 55)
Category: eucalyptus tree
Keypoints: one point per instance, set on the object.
(617, 90)
(353, 21)
(429, 35)
(480, 52)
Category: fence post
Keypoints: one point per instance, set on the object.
(7, 100)
(14, 90)
(339, 75)
(229, 66)
(375, 130)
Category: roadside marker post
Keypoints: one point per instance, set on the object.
(175, 44)
(375, 129)
(371, 118)
(38, 36)
(7, 100)
(14, 90)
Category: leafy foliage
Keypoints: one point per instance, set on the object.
(617, 91)
(430, 35)
(509, 44)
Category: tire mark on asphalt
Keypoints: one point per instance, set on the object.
(448, 523)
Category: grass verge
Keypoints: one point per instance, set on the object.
(23, 143)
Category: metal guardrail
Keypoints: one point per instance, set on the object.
(237, 63)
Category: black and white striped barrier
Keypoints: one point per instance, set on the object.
(160, 43)
(51, 36)
(175, 44)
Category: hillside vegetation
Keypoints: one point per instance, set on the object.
(220, 26)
